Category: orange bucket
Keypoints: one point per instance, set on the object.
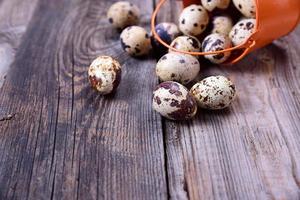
(274, 19)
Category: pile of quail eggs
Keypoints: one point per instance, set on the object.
(171, 98)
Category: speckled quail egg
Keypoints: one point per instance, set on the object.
(167, 32)
(222, 25)
(193, 20)
(104, 74)
(216, 42)
(241, 32)
(173, 101)
(177, 67)
(186, 43)
(210, 5)
(135, 41)
(122, 14)
(246, 7)
(214, 92)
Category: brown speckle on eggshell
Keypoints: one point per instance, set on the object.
(173, 101)
(246, 7)
(104, 74)
(193, 20)
(216, 42)
(186, 43)
(122, 14)
(241, 31)
(135, 41)
(214, 92)
(178, 67)
(210, 5)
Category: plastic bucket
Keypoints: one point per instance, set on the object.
(274, 19)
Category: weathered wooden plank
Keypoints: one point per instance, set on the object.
(14, 18)
(250, 151)
(65, 141)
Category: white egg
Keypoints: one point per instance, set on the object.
(177, 67)
(214, 92)
(241, 32)
(193, 20)
(104, 74)
(216, 42)
(173, 101)
(222, 25)
(135, 41)
(246, 7)
(186, 43)
(210, 5)
(122, 14)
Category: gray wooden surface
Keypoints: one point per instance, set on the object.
(60, 140)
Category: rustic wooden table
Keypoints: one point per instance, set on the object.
(60, 140)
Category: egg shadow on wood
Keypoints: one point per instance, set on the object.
(205, 113)
(113, 33)
(92, 96)
(210, 117)
(89, 97)
(202, 116)
(149, 56)
(260, 59)
(278, 51)
(110, 96)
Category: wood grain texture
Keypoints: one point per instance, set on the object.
(14, 18)
(58, 138)
(251, 150)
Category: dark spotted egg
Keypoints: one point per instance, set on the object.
(216, 42)
(210, 5)
(135, 41)
(167, 32)
(122, 14)
(241, 32)
(246, 7)
(104, 74)
(193, 20)
(177, 67)
(214, 92)
(186, 43)
(173, 101)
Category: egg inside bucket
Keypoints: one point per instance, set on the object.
(278, 19)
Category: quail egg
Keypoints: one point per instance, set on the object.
(167, 32)
(241, 32)
(186, 43)
(222, 25)
(177, 67)
(210, 5)
(214, 92)
(216, 42)
(173, 101)
(193, 20)
(122, 14)
(135, 41)
(246, 7)
(104, 74)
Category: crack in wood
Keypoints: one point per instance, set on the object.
(8, 117)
